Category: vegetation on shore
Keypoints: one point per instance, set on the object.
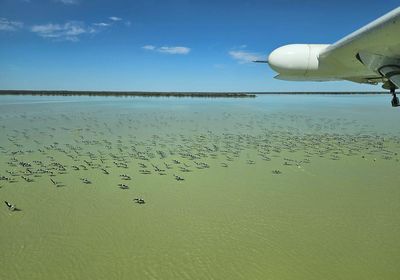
(159, 94)
(127, 93)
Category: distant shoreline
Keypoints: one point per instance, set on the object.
(127, 93)
(166, 94)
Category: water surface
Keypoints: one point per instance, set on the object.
(276, 187)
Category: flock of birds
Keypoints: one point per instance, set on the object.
(55, 146)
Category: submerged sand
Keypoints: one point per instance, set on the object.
(278, 187)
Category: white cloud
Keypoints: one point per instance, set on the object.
(244, 56)
(68, 2)
(70, 31)
(102, 24)
(115, 18)
(167, 50)
(9, 25)
(174, 50)
(149, 47)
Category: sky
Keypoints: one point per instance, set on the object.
(168, 45)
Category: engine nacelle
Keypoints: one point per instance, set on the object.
(296, 60)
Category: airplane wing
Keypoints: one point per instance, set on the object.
(369, 48)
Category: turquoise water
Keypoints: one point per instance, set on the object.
(276, 187)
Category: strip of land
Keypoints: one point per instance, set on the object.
(162, 94)
(127, 93)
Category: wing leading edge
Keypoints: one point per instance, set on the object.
(378, 39)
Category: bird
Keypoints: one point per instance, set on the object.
(10, 206)
(139, 200)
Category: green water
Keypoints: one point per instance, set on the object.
(276, 187)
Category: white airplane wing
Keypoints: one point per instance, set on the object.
(368, 49)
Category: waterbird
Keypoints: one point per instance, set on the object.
(139, 200)
(105, 171)
(27, 179)
(57, 184)
(125, 177)
(123, 186)
(86, 181)
(178, 178)
(11, 207)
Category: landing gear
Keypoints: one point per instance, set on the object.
(395, 99)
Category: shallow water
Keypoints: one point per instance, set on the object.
(276, 187)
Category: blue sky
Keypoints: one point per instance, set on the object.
(169, 45)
